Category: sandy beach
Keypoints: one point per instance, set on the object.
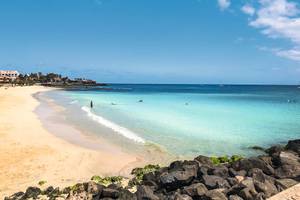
(29, 153)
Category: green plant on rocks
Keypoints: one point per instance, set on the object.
(96, 179)
(235, 158)
(73, 188)
(215, 160)
(225, 159)
(107, 180)
(41, 183)
(139, 173)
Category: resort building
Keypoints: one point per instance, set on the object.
(7, 75)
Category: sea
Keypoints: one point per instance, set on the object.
(187, 120)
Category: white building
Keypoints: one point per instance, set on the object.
(8, 75)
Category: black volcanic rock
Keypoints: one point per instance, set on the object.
(267, 159)
(288, 158)
(247, 194)
(245, 187)
(145, 192)
(16, 196)
(283, 184)
(213, 182)
(176, 179)
(111, 193)
(234, 197)
(232, 181)
(266, 187)
(125, 195)
(32, 192)
(203, 170)
(214, 195)
(54, 193)
(294, 145)
(258, 175)
(274, 150)
(48, 190)
(260, 196)
(289, 166)
(221, 171)
(253, 162)
(179, 174)
(233, 173)
(182, 197)
(195, 190)
(94, 188)
(203, 161)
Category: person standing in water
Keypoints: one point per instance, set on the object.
(92, 104)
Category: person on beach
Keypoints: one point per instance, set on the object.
(91, 104)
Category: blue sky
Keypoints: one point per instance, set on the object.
(154, 41)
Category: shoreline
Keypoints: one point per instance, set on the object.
(30, 153)
(89, 134)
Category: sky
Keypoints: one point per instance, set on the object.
(154, 41)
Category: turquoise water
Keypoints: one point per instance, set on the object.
(188, 120)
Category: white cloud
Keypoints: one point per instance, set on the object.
(280, 19)
(248, 9)
(293, 54)
(277, 18)
(224, 4)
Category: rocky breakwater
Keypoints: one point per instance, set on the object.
(203, 178)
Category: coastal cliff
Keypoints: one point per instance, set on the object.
(235, 178)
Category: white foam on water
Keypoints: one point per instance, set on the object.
(116, 128)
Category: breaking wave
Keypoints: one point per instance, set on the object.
(116, 128)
